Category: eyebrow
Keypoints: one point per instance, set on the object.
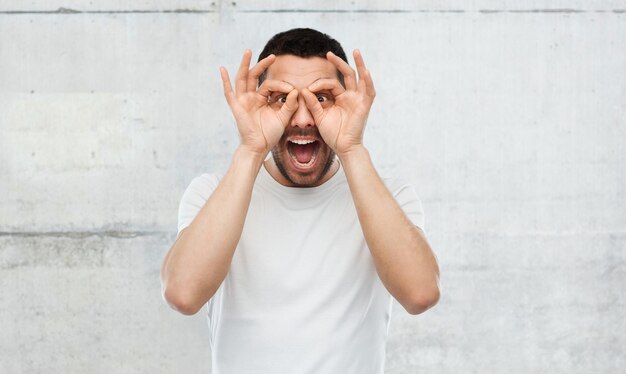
(293, 85)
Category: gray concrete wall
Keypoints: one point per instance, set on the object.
(508, 116)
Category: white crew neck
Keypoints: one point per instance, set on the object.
(268, 180)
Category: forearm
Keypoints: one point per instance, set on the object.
(200, 258)
(402, 256)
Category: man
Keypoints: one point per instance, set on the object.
(298, 256)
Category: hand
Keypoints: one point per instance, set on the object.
(341, 113)
(260, 125)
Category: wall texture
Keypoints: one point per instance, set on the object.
(508, 116)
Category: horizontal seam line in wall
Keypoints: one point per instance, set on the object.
(133, 234)
(84, 234)
(67, 11)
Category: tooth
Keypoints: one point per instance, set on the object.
(301, 141)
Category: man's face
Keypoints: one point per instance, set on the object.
(301, 155)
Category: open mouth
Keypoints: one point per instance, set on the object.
(303, 152)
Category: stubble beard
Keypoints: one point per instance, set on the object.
(281, 167)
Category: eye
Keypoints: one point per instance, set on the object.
(278, 99)
(322, 98)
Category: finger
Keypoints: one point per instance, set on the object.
(271, 85)
(369, 84)
(242, 73)
(290, 107)
(228, 89)
(314, 105)
(257, 70)
(349, 74)
(332, 85)
(360, 68)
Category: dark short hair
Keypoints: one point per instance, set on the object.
(302, 42)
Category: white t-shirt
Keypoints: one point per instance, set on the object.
(302, 294)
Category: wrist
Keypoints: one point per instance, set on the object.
(247, 155)
(352, 154)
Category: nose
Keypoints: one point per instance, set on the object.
(302, 117)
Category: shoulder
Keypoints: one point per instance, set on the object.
(194, 197)
(398, 185)
(408, 199)
(205, 181)
(202, 186)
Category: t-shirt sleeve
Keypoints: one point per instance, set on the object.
(194, 198)
(410, 203)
